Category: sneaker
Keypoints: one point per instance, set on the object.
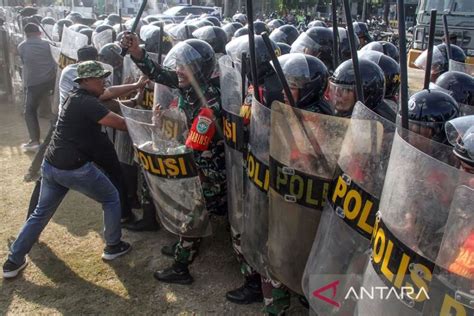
(112, 252)
(11, 270)
(31, 146)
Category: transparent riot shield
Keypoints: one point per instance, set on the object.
(304, 149)
(257, 181)
(461, 67)
(131, 73)
(452, 285)
(233, 126)
(170, 170)
(101, 39)
(341, 247)
(414, 229)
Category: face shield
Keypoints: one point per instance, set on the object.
(461, 67)
(460, 134)
(341, 97)
(306, 45)
(438, 63)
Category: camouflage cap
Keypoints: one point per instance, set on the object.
(90, 69)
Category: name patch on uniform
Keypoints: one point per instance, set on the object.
(168, 166)
(353, 204)
(233, 131)
(298, 187)
(258, 172)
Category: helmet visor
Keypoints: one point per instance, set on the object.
(306, 45)
(461, 67)
(341, 97)
(437, 63)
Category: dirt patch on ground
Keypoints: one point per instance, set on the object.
(66, 273)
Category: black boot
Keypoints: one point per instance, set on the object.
(250, 292)
(169, 250)
(148, 223)
(178, 273)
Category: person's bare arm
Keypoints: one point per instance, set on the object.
(113, 120)
(114, 92)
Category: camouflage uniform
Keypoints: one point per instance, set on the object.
(211, 163)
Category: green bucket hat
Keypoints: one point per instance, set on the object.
(90, 69)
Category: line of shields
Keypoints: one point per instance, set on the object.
(329, 205)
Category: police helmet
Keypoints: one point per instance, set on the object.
(431, 108)
(342, 86)
(214, 36)
(307, 74)
(285, 34)
(195, 55)
(391, 70)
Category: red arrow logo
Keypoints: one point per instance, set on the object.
(333, 286)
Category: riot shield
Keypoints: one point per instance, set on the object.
(170, 171)
(101, 39)
(233, 127)
(304, 149)
(461, 67)
(257, 181)
(414, 239)
(341, 246)
(131, 73)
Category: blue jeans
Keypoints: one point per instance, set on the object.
(55, 183)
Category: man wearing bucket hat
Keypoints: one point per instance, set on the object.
(76, 143)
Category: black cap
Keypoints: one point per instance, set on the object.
(31, 28)
(87, 53)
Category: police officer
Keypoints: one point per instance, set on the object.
(440, 61)
(307, 77)
(316, 41)
(362, 31)
(341, 93)
(285, 34)
(194, 61)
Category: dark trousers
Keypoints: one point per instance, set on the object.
(38, 159)
(34, 96)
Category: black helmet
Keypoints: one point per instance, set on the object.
(87, 32)
(457, 54)
(240, 17)
(284, 48)
(317, 23)
(241, 32)
(196, 56)
(274, 24)
(316, 41)
(391, 70)
(384, 47)
(102, 17)
(231, 28)
(103, 27)
(113, 19)
(200, 23)
(78, 27)
(432, 108)
(460, 134)
(285, 34)
(344, 47)
(75, 17)
(28, 11)
(182, 32)
(110, 54)
(342, 86)
(306, 73)
(214, 36)
(461, 87)
(58, 28)
(150, 35)
(362, 31)
(240, 45)
(213, 20)
(48, 21)
(259, 27)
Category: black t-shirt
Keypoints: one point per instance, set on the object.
(78, 138)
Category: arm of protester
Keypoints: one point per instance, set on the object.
(143, 61)
(113, 120)
(114, 92)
